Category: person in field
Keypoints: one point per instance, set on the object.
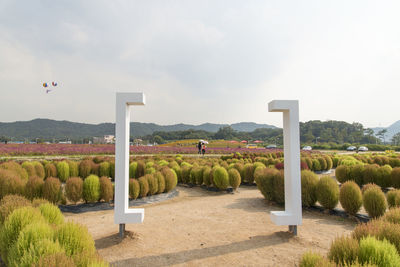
(199, 147)
(203, 149)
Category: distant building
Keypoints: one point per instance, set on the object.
(107, 139)
(65, 142)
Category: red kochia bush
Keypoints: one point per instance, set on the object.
(50, 170)
(10, 183)
(74, 189)
(34, 187)
(106, 189)
(52, 189)
(85, 168)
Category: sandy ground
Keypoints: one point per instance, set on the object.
(202, 228)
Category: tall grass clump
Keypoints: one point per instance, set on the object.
(74, 189)
(15, 167)
(206, 176)
(350, 197)
(374, 202)
(248, 173)
(370, 174)
(384, 176)
(309, 181)
(153, 184)
(91, 189)
(327, 192)
(39, 169)
(52, 190)
(29, 168)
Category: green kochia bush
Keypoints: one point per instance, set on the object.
(311, 259)
(384, 176)
(344, 251)
(153, 184)
(39, 248)
(206, 176)
(91, 188)
(279, 187)
(75, 239)
(248, 173)
(309, 181)
(370, 174)
(63, 170)
(234, 178)
(391, 198)
(51, 213)
(144, 186)
(29, 168)
(356, 173)
(55, 259)
(104, 169)
(265, 183)
(52, 190)
(350, 197)
(170, 178)
(132, 169)
(395, 177)
(74, 189)
(374, 202)
(342, 173)
(160, 181)
(381, 253)
(327, 192)
(39, 169)
(134, 188)
(221, 178)
(73, 168)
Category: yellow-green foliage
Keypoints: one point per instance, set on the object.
(395, 177)
(265, 183)
(134, 188)
(234, 178)
(63, 170)
(106, 189)
(39, 169)
(153, 184)
(342, 173)
(104, 169)
(384, 176)
(73, 168)
(370, 174)
(29, 168)
(170, 178)
(309, 181)
(75, 239)
(381, 253)
(327, 192)
(144, 186)
(350, 197)
(248, 173)
(392, 216)
(34, 187)
(51, 213)
(374, 202)
(27, 237)
(160, 181)
(132, 169)
(15, 167)
(279, 187)
(206, 176)
(10, 183)
(316, 165)
(52, 190)
(36, 202)
(14, 223)
(91, 188)
(356, 173)
(368, 186)
(221, 178)
(391, 197)
(56, 259)
(311, 259)
(74, 189)
(344, 250)
(10, 203)
(39, 248)
(322, 163)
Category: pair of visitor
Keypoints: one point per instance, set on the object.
(202, 148)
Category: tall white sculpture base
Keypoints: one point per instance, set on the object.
(292, 215)
(122, 213)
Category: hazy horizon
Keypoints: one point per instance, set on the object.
(200, 61)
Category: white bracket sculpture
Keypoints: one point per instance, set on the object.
(292, 215)
(122, 213)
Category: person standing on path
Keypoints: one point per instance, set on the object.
(203, 149)
(199, 147)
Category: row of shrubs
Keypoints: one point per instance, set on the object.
(384, 176)
(376, 243)
(326, 191)
(34, 233)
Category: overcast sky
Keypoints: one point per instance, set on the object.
(201, 61)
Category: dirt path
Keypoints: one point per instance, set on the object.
(201, 228)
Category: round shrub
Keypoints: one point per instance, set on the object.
(95, 169)
(39, 169)
(311, 259)
(73, 168)
(112, 170)
(198, 175)
(51, 213)
(316, 166)
(153, 184)
(50, 170)
(265, 183)
(206, 175)
(344, 251)
(36, 202)
(150, 170)
(27, 237)
(392, 216)
(104, 169)
(15, 167)
(329, 162)
(13, 225)
(75, 239)
(356, 173)
(106, 189)
(34, 187)
(374, 202)
(10, 203)
(134, 188)
(309, 181)
(367, 186)
(39, 248)
(234, 178)
(391, 197)
(91, 189)
(89, 259)
(74, 189)
(350, 197)
(144, 186)
(309, 163)
(133, 169)
(327, 192)
(29, 168)
(370, 174)
(322, 163)
(384, 176)
(85, 168)
(160, 181)
(279, 187)
(10, 183)
(221, 178)
(381, 253)
(170, 178)
(248, 173)
(240, 168)
(63, 171)
(52, 190)
(395, 177)
(56, 259)
(341, 173)
(140, 168)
